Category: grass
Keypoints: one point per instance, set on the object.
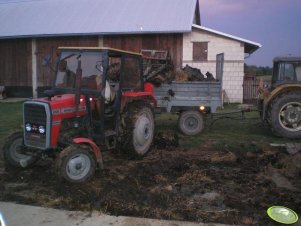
(248, 134)
(10, 118)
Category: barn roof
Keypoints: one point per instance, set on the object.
(42, 18)
(250, 46)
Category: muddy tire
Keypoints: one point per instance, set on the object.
(12, 153)
(191, 123)
(285, 115)
(138, 129)
(75, 164)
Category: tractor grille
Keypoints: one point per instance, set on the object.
(36, 124)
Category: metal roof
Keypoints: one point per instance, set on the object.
(42, 18)
(288, 58)
(250, 46)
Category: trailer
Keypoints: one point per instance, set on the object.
(192, 100)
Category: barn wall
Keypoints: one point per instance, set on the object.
(233, 61)
(49, 46)
(16, 62)
(16, 56)
(15, 65)
(171, 42)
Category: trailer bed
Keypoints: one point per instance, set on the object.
(179, 96)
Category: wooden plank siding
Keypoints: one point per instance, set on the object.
(15, 62)
(171, 42)
(16, 56)
(50, 46)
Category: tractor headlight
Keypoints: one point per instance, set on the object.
(27, 127)
(41, 129)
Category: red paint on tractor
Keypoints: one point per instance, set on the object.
(148, 87)
(94, 147)
(62, 107)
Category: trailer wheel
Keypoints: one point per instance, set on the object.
(12, 152)
(285, 115)
(76, 164)
(139, 128)
(191, 123)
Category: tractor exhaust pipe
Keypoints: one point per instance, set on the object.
(24, 162)
(78, 89)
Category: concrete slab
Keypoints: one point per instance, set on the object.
(16, 215)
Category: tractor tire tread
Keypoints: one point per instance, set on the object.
(6, 156)
(273, 112)
(61, 158)
(129, 118)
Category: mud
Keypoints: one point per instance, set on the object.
(200, 185)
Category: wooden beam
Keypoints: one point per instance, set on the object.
(100, 41)
(34, 67)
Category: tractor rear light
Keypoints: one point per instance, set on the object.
(202, 108)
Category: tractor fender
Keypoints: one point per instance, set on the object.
(278, 91)
(94, 147)
(146, 96)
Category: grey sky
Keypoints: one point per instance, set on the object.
(273, 23)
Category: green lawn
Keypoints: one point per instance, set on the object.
(10, 118)
(246, 134)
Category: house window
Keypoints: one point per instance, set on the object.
(200, 51)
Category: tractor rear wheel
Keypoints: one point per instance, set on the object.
(285, 115)
(138, 129)
(76, 164)
(191, 123)
(12, 151)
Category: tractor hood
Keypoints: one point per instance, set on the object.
(64, 105)
(50, 113)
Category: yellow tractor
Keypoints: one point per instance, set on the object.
(280, 105)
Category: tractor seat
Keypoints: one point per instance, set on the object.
(110, 93)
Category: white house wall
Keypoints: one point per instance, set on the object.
(233, 60)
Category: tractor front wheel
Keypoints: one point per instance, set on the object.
(13, 154)
(285, 115)
(76, 164)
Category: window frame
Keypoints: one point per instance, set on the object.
(200, 51)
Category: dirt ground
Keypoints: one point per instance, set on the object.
(201, 185)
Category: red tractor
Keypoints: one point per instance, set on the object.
(99, 100)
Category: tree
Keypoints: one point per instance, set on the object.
(257, 71)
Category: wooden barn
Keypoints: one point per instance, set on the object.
(29, 30)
